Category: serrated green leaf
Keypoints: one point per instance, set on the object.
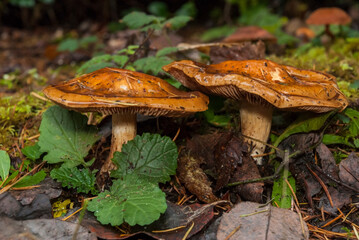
(151, 64)
(177, 22)
(65, 136)
(132, 200)
(149, 156)
(32, 152)
(303, 124)
(81, 179)
(165, 51)
(31, 180)
(4, 164)
(136, 19)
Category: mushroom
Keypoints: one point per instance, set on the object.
(260, 85)
(305, 34)
(250, 33)
(124, 93)
(327, 16)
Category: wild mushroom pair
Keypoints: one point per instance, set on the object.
(259, 85)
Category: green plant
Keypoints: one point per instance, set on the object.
(116, 60)
(217, 32)
(349, 135)
(15, 111)
(135, 196)
(73, 44)
(123, 58)
(29, 3)
(260, 15)
(8, 174)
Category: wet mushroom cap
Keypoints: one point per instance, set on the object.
(332, 15)
(264, 82)
(112, 90)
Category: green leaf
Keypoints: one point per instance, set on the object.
(132, 200)
(217, 32)
(120, 60)
(96, 63)
(281, 193)
(158, 9)
(354, 123)
(187, 9)
(81, 179)
(65, 136)
(10, 178)
(84, 42)
(304, 124)
(32, 152)
(136, 19)
(335, 139)
(69, 44)
(177, 22)
(31, 180)
(4, 164)
(150, 157)
(151, 64)
(217, 120)
(165, 51)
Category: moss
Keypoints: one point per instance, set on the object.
(19, 115)
(340, 59)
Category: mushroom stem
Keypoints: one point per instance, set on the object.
(124, 128)
(256, 121)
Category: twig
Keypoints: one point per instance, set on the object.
(330, 177)
(188, 232)
(233, 232)
(39, 97)
(131, 58)
(322, 184)
(176, 136)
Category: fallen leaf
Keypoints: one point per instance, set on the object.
(243, 51)
(349, 170)
(340, 197)
(327, 161)
(248, 220)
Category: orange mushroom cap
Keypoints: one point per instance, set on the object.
(112, 90)
(262, 82)
(250, 33)
(333, 15)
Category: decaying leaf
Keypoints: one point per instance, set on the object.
(349, 170)
(228, 153)
(227, 158)
(327, 161)
(193, 177)
(242, 51)
(249, 220)
(234, 164)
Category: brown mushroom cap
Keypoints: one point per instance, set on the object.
(262, 81)
(250, 33)
(112, 90)
(332, 15)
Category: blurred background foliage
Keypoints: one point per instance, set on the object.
(69, 13)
